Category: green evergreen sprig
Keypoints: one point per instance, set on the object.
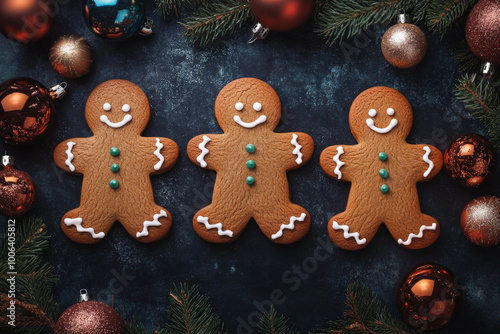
(443, 15)
(465, 58)
(36, 309)
(364, 314)
(215, 20)
(272, 323)
(168, 7)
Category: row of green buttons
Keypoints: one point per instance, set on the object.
(383, 173)
(115, 168)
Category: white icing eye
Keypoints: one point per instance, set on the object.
(125, 108)
(257, 106)
(372, 112)
(239, 106)
(390, 111)
(106, 106)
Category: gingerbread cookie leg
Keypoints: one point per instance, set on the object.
(86, 225)
(284, 224)
(148, 224)
(419, 231)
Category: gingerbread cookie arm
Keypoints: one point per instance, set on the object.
(297, 148)
(430, 158)
(70, 155)
(203, 150)
(160, 153)
(340, 161)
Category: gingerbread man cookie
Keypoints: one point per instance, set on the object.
(383, 170)
(116, 164)
(251, 162)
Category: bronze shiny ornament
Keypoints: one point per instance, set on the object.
(17, 190)
(480, 221)
(404, 45)
(26, 21)
(429, 297)
(71, 56)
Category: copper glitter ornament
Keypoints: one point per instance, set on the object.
(71, 56)
(483, 30)
(469, 159)
(26, 21)
(89, 317)
(480, 221)
(404, 45)
(429, 297)
(17, 190)
(26, 109)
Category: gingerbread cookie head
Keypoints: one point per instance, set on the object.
(247, 103)
(119, 105)
(380, 112)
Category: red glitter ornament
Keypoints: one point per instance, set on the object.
(17, 190)
(281, 15)
(429, 297)
(469, 159)
(89, 317)
(483, 30)
(480, 221)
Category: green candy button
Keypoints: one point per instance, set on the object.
(384, 189)
(114, 184)
(250, 164)
(383, 173)
(114, 151)
(382, 156)
(250, 180)
(250, 148)
(115, 168)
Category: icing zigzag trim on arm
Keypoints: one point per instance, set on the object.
(70, 156)
(428, 161)
(204, 152)
(159, 146)
(297, 148)
(336, 158)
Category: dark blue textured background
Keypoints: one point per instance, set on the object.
(316, 85)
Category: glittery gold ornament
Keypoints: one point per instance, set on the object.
(71, 56)
(404, 45)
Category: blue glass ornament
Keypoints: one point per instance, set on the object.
(117, 19)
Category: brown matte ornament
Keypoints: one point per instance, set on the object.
(469, 159)
(404, 45)
(17, 190)
(281, 15)
(71, 56)
(429, 297)
(483, 30)
(480, 221)
(26, 21)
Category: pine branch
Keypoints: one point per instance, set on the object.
(190, 312)
(36, 309)
(339, 20)
(466, 59)
(215, 20)
(364, 314)
(271, 323)
(484, 103)
(441, 15)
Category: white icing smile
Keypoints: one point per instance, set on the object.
(127, 118)
(253, 124)
(388, 128)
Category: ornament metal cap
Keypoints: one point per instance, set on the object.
(147, 28)
(488, 70)
(7, 160)
(84, 296)
(58, 91)
(402, 18)
(258, 32)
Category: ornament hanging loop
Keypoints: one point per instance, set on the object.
(488, 70)
(258, 32)
(84, 296)
(7, 160)
(58, 91)
(147, 28)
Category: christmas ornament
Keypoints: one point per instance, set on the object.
(404, 45)
(89, 317)
(429, 297)
(278, 15)
(483, 33)
(117, 19)
(71, 56)
(26, 21)
(26, 109)
(17, 189)
(480, 221)
(469, 159)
